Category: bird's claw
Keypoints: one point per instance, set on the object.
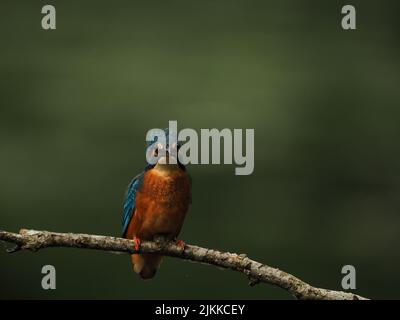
(137, 243)
(181, 244)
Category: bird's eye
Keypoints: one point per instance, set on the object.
(156, 152)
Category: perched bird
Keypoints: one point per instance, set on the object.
(156, 203)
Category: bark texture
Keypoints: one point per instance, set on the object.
(257, 272)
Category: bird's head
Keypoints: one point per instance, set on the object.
(165, 152)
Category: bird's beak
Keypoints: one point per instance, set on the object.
(167, 159)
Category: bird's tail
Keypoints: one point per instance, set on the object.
(146, 265)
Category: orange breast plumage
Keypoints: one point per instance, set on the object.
(161, 204)
(160, 209)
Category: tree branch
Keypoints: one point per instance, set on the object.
(257, 272)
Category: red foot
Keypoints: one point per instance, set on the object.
(181, 244)
(137, 243)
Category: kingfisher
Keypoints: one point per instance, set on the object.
(156, 203)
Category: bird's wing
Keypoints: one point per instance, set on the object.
(130, 201)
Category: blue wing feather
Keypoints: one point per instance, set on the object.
(130, 199)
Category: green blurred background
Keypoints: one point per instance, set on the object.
(77, 102)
